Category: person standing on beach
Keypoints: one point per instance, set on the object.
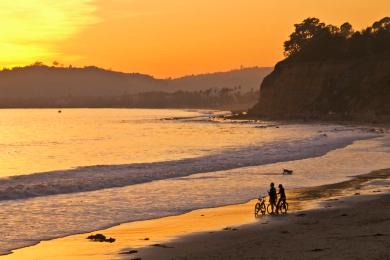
(282, 197)
(272, 196)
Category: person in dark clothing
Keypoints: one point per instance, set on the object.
(282, 197)
(272, 196)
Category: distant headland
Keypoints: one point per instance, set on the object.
(330, 72)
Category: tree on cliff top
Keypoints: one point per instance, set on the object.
(303, 35)
(315, 40)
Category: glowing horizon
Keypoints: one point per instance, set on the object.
(164, 38)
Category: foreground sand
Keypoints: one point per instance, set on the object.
(352, 221)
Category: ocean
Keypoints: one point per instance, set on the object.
(70, 171)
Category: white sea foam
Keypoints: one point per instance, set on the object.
(107, 176)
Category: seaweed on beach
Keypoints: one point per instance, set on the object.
(100, 238)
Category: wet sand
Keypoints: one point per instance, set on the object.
(137, 234)
(348, 220)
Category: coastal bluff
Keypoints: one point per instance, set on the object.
(334, 89)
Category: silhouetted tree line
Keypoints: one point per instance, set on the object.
(315, 40)
(210, 98)
(202, 98)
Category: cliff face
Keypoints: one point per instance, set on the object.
(357, 88)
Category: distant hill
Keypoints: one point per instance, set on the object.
(247, 78)
(43, 86)
(55, 82)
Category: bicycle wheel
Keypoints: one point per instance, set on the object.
(283, 208)
(257, 208)
(262, 209)
(269, 209)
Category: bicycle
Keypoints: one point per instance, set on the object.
(283, 207)
(263, 208)
(260, 206)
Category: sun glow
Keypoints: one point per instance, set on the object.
(34, 29)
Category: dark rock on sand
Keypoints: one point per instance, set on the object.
(100, 238)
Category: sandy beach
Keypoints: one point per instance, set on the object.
(347, 220)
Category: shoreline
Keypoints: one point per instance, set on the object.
(69, 232)
(246, 117)
(174, 229)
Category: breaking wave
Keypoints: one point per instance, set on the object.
(98, 177)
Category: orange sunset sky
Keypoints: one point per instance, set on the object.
(164, 37)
